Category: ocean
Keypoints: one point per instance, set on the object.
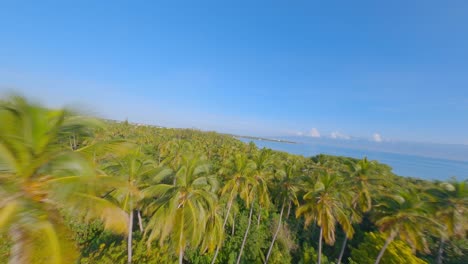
(402, 165)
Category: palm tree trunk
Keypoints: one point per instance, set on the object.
(342, 249)
(216, 254)
(129, 240)
(233, 226)
(276, 233)
(74, 141)
(289, 210)
(319, 258)
(224, 225)
(140, 222)
(228, 210)
(441, 251)
(71, 144)
(181, 256)
(19, 253)
(245, 235)
(382, 251)
(259, 216)
(181, 249)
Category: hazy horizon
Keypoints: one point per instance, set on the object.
(383, 72)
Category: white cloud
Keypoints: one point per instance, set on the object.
(299, 133)
(314, 133)
(338, 135)
(377, 137)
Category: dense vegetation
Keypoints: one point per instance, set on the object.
(77, 190)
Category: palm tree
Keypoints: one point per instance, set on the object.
(214, 232)
(450, 202)
(175, 150)
(405, 216)
(39, 178)
(136, 171)
(264, 161)
(360, 177)
(286, 193)
(327, 203)
(184, 209)
(258, 190)
(239, 171)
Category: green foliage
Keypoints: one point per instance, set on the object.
(180, 212)
(69, 185)
(40, 176)
(255, 247)
(115, 253)
(309, 255)
(5, 247)
(396, 253)
(456, 251)
(406, 215)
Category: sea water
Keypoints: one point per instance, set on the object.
(403, 165)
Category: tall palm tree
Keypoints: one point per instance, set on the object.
(238, 171)
(287, 189)
(361, 176)
(258, 190)
(136, 171)
(327, 203)
(184, 209)
(39, 178)
(214, 232)
(406, 216)
(264, 161)
(450, 202)
(175, 150)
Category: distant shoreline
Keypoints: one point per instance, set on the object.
(265, 139)
(232, 135)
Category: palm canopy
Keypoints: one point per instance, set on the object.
(238, 173)
(183, 210)
(264, 161)
(362, 176)
(450, 202)
(39, 178)
(327, 203)
(405, 215)
(135, 172)
(214, 231)
(286, 183)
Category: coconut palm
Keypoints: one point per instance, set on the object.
(361, 176)
(214, 232)
(136, 171)
(238, 171)
(450, 201)
(406, 216)
(257, 190)
(184, 209)
(327, 203)
(287, 189)
(40, 179)
(264, 161)
(176, 149)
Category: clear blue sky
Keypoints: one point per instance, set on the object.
(396, 68)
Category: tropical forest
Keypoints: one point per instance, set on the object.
(79, 189)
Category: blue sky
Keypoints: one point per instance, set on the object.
(382, 70)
